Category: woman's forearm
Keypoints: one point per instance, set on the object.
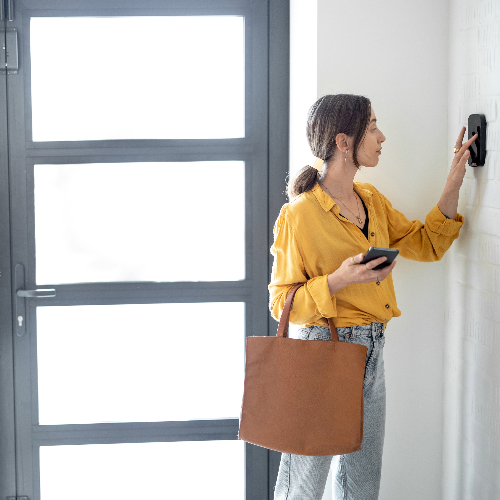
(448, 203)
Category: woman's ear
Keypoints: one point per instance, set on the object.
(342, 142)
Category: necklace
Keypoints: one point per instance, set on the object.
(357, 204)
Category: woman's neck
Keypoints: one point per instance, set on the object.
(338, 177)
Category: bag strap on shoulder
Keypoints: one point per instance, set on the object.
(285, 316)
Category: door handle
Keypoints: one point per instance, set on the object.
(37, 294)
(22, 295)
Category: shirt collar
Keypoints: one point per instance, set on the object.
(323, 199)
(327, 203)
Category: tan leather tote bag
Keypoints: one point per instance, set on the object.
(303, 397)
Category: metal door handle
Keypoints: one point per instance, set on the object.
(38, 293)
(22, 295)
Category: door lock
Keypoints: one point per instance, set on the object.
(9, 55)
(22, 295)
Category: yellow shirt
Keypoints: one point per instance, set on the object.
(312, 239)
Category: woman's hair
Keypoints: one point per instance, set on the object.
(328, 116)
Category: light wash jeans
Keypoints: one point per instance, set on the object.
(356, 475)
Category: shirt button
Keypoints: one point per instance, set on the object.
(387, 306)
(373, 234)
(378, 282)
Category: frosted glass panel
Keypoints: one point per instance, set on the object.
(137, 78)
(180, 470)
(140, 362)
(140, 222)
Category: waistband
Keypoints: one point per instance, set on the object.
(359, 330)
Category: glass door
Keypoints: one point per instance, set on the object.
(139, 221)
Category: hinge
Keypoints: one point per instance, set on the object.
(6, 10)
(10, 10)
(9, 59)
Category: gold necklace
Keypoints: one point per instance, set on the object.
(357, 204)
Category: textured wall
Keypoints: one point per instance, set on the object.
(471, 444)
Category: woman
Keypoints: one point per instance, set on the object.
(320, 238)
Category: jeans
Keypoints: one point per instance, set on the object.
(356, 475)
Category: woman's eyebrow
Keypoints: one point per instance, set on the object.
(373, 120)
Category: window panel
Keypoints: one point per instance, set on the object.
(169, 77)
(140, 222)
(200, 469)
(140, 362)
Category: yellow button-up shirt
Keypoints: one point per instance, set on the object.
(312, 239)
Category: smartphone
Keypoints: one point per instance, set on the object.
(375, 253)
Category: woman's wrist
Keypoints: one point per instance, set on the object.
(448, 203)
(335, 283)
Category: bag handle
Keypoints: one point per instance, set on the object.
(285, 317)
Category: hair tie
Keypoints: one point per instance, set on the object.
(318, 163)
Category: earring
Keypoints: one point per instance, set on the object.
(345, 159)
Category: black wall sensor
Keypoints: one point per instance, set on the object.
(477, 125)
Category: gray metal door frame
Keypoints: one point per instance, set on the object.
(7, 428)
(265, 151)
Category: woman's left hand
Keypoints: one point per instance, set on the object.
(448, 203)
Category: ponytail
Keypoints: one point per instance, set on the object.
(305, 180)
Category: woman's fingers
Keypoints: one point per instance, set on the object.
(375, 262)
(458, 144)
(466, 145)
(463, 147)
(381, 274)
(463, 159)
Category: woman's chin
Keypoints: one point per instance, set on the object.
(370, 165)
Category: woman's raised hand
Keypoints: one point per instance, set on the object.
(457, 171)
(448, 203)
(352, 273)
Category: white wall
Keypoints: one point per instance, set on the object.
(471, 452)
(396, 53)
(303, 77)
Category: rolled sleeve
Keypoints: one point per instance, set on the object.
(422, 242)
(438, 223)
(326, 305)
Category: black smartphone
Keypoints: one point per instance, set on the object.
(376, 252)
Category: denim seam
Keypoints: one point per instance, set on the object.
(289, 474)
(343, 475)
(370, 364)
